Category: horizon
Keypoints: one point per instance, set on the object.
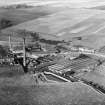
(75, 3)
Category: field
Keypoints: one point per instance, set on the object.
(86, 23)
(96, 76)
(19, 89)
(17, 16)
(22, 90)
(25, 14)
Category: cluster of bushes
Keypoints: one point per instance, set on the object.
(3, 51)
(36, 37)
(4, 23)
(52, 42)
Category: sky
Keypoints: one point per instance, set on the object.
(74, 2)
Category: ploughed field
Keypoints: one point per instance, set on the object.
(69, 24)
(20, 15)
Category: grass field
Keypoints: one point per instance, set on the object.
(48, 94)
(10, 71)
(19, 89)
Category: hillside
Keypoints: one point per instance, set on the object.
(102, 7)
(22, 91)
(68, 24)
(17, 88)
